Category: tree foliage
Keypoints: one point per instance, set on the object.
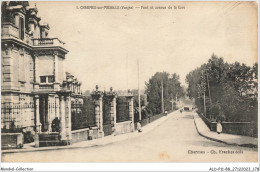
(171, 88)
(231, 89)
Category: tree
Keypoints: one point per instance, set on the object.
(171, 89)
(228, 91)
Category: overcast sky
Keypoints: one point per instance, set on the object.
(104, 45)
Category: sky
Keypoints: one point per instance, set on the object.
(105, 45)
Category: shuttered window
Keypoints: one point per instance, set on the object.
(21, 27)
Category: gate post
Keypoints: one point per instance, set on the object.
(37, 114)
(68, 117)
(62, 119)
(37, 120)
(130, 100)
(112, 98)
(97, 97)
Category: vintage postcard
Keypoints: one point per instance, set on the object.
(129, 81)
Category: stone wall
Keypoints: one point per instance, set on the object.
(239, 128)
(123, 127)
(17, 68)
(83, 134)
(79, 135)
(11, 140)
(17, 74)
(145, 121)
(150, 119)
(107, 128)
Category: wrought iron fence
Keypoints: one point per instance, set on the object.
(10, 114)
(106, 110)
(122, 109)
(83, 115)
(15, 115)
(76, 108)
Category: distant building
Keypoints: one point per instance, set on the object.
(35, 89)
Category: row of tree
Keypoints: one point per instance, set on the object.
(166, 84)
(225, 91)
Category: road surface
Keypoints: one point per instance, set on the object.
(175, 140)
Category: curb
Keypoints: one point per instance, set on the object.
(131, 135)
(221, 141)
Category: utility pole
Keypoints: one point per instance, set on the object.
(162, 98)
(139, 98)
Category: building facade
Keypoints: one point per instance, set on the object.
(35, 88)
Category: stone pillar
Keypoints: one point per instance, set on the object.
(56, 72)
(22, 111)
(131, 109)
(96, 113)
(63, 71)
(130, 101)
(49, 113)
(57, 107)
(112, 98)
(68, 117)
(113, 112)
(37, 120)
(36, 73)
(97, 97)
(62, 119)
(37, 114)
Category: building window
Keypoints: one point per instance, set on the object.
(21, 28)
(43, 79)
(50, 79)
(47, 79)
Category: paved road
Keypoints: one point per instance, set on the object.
(175, 140)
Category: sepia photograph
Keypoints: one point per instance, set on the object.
(122, 81)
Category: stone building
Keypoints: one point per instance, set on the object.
(74, 86)
(35, 88)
